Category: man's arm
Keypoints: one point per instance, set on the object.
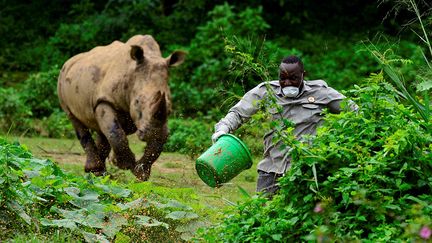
(226, 125)
(239, 113)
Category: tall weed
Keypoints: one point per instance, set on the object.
(421, 100)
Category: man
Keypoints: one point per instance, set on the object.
(302, 103)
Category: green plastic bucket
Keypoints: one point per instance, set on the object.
(223, 161)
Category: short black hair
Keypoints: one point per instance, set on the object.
(292, 60)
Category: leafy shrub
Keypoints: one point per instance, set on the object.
(39, 92)
(15, 115)
(37, 196)
(36, 98)
(366, 177)
(205, 71)
(76, 37)
(188, 136)
(57, 125)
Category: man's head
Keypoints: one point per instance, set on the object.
(291, 72)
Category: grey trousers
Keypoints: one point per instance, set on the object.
(267, 182)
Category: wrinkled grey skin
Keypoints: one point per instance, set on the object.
(116, 90)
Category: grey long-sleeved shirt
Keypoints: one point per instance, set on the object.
(304, 111)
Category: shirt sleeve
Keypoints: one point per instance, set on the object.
(242, 111)
(333, 95)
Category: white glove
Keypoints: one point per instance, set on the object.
(216, 135)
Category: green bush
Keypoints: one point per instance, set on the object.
(197, 85)
(76, 37)
(57, 125)
(366, 177)
(39, 92)
(188, 136)
(33, 107)
(15, 115)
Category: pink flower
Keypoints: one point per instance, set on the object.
(318, 208)
(425, 232)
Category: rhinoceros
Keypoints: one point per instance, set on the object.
(116, 90)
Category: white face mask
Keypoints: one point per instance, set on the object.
(290, 91)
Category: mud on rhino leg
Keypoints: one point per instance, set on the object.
(152, 151)
(115, 135)
(102, 146)
(93, 163)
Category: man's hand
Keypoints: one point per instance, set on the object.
(216, 135)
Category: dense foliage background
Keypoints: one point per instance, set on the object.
(38, 37)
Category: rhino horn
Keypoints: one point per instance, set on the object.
(159, 107)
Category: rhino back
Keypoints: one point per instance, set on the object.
(91, 76)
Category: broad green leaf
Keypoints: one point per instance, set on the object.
(424, 86)
(65, 223)
(95, 220)
(177, 204)
(83, 198)
(149, 222)
(276, 237)
(293, 220)
(19, 210)
(96, 207)
(138, 203)
(361, 218)
(96, 238)
(72, 191)
(186, 236)
(115, 190)
(191, 226)
(308, 197)
(122, 238)
(113, 224)
(176, 215)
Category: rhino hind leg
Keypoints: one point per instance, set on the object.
(94, 163)
(115, 135)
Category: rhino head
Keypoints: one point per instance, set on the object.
(150, 97)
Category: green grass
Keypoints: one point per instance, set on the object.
(57, 236)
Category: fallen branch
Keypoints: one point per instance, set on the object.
(57, 152)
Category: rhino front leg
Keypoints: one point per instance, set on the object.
(102, 146)
(111, 128)
(151, 153)
(94, 163)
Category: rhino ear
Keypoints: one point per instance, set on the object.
(176, 58)
(137, 53)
